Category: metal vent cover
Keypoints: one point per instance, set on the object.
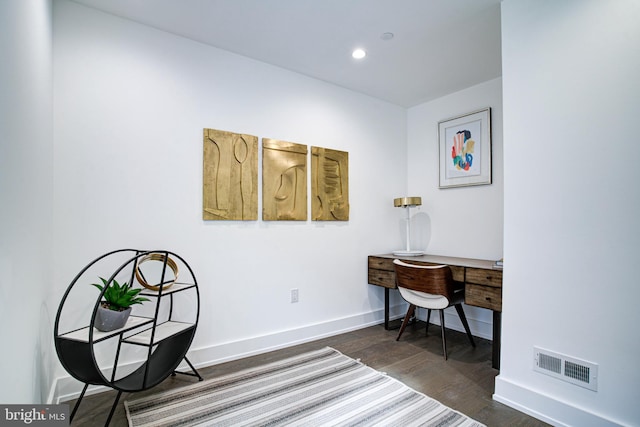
(566, 368)
(550, 363)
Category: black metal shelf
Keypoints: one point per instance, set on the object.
(167, 341)
(158, 366)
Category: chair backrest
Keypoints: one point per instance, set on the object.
(430, 279)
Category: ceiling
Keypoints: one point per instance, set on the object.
(439, 46)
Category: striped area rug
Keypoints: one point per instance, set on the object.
(319, 388)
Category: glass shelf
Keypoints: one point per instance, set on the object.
(82, 335)
(163, 331)
(176, 287)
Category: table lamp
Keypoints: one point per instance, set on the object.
(408, 202)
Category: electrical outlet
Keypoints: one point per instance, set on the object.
(294, 295)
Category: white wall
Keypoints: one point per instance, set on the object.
(129, 108)
(462, 221)
(571, 107)
(26, 171)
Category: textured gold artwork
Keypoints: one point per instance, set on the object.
(230, 176)
(284, 181)
(329, 185)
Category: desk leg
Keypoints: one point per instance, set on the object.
(386, 309)
(497, 333)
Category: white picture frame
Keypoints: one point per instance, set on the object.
(465, 149)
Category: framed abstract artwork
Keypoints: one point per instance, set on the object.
(465, 149)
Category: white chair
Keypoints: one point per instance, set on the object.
(431, 287)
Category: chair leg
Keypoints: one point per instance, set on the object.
(444, 337)
(426, 332)
(412, 309)
(463, 318)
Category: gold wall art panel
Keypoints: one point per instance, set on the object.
(284, 181)
(329, 184)
(230, 176)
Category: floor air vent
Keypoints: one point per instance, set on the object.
(566, 368)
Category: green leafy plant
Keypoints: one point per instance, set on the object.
(119, 297)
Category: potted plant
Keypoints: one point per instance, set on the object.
(114, 310)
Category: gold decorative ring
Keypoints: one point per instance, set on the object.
(156, 257)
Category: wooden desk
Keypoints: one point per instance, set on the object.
(483, 285)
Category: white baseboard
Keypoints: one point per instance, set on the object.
(67, 388)
(546, 408)
(233, 350)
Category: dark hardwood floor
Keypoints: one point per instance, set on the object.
(464, 382)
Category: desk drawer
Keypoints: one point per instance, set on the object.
(382, 271)
(483, 296)
(381, 263)
(484, 277)
(382, 278)
(457, 272)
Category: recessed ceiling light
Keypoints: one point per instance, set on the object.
(359, 53)
(386, 36)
